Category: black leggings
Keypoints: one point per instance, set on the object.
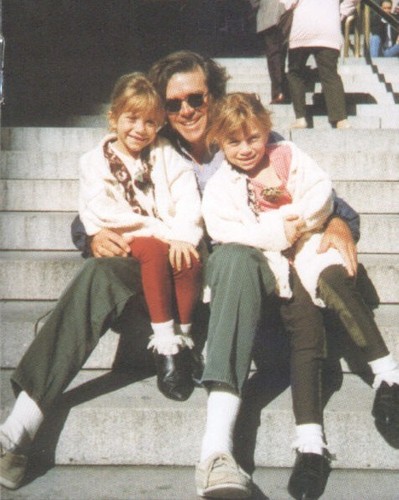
(304, 324)
(338, 291)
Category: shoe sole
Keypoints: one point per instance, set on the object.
(8, 484)
(226, 491)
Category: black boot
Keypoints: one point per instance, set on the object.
(386, 413)
(174, 373)
(309, 477)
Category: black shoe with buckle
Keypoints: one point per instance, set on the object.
(174, 374)
(309, 477)
(386, 413)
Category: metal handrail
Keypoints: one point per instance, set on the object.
(2, 52)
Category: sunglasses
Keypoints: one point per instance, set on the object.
(193, 100)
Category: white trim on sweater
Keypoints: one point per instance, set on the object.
(102, 203)
(229, 219)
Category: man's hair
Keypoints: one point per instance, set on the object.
(185, 61)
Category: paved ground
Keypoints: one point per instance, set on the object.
(176, 483)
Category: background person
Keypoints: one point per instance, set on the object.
(384, 39)
(273, 21)
(316, 30)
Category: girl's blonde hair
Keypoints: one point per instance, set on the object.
(135, 93)
(234, 113)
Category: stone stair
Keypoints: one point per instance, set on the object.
(105, 418)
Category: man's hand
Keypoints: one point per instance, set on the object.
(292, 227)
(179, 251)
(108, 243)
(338, 235)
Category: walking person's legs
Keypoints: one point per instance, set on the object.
(331, 83)
(297, 82)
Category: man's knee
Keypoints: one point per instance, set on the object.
(234, 254)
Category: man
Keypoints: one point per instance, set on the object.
(273, 21)
(98, 296)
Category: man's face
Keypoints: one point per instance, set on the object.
(190, 121)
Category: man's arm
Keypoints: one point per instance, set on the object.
(349, 215)
(342, 231)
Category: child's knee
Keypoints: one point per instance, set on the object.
(149, 248)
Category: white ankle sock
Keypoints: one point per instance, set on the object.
(222, 411)
(385, 369)
(309, 439)
(183, 331)
(23, 422)
(164, 338)
(184, 328)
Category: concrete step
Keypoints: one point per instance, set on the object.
(177, 483)
(321, 122)
(353, 164)
(39, 139)
(62, 195)
(21, 320)
(36, 230)
(52, 231)
(39, 164)
(44, 275)
(37, 275)
(259, 62)
(351, 140)
(136, 425)
(64, 140)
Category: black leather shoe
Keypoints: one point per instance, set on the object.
(278, 99)
(174, 375)
(309, 477)
(386, 413)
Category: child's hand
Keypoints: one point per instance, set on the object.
(179, 251)
(292, 226)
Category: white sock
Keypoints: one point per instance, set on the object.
(222, 411)
(385, 369)
(163, 340)
(183, 330)
(309, 439)
(23, 422)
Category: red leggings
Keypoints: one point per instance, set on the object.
(170, 294)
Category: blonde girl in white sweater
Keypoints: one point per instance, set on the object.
(274, 197)
(137, 185)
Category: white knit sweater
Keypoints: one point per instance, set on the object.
(317, 23)
(229, 219)
(174, 210)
